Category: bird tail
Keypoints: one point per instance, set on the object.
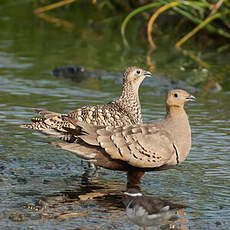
(52, 124)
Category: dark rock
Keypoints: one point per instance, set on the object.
(45, 181)
(22, 180)
(48, 167)
(30, 172)
(18, 217)
(218, 223)
(2, 167)
(74, 72)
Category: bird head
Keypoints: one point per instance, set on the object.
(135, 75)
(178, 97)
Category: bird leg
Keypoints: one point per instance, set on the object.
(133, 178)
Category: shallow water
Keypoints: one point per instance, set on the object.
(31, 170)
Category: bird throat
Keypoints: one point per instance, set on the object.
(174, 110)
(130, 97)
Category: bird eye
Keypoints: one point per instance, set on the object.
(138, 72)
(175, 95)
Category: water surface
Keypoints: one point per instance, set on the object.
(32, 170)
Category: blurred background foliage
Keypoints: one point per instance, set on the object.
(186, 18)
(191, 35)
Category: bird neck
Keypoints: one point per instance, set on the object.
(129, 101)
(129, 91)
(175, 111)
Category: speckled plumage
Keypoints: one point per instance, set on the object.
(123, 111)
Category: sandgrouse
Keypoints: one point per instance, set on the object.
(149, 211)
(125, 110)
(137, 148)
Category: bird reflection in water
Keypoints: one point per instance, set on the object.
(151, 212)
(87, 197)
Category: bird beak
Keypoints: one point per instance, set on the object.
(148, 74)
(190, 98)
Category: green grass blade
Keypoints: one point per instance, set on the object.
(133, 13)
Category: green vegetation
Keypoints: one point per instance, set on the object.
(189, 17)
(95, 29)
(200, 12)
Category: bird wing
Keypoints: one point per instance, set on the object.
(144, 146)
(54, 123)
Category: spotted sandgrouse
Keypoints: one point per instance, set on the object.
(141, 147)
(126, 110)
